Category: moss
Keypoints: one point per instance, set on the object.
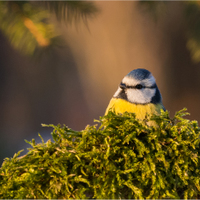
(120, 157)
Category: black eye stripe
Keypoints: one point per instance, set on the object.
(138, 86)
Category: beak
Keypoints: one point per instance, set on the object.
(122, 86)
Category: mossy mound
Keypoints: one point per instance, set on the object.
(123, 158)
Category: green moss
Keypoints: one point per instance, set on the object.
(123, 158)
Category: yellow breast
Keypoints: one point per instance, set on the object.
(121, 106)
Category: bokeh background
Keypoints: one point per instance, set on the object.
(61, 62)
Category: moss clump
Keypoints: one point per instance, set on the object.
(123, 158)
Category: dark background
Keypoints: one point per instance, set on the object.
(73, 84)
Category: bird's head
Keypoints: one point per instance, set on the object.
(139, 87)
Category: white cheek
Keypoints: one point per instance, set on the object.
(140, 96)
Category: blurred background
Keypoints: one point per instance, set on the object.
(61, 62)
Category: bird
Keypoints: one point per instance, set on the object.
(137, 93)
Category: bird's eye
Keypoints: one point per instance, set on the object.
(139, 86)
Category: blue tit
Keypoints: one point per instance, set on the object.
(137, 93)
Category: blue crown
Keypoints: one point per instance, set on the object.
(139, 74)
